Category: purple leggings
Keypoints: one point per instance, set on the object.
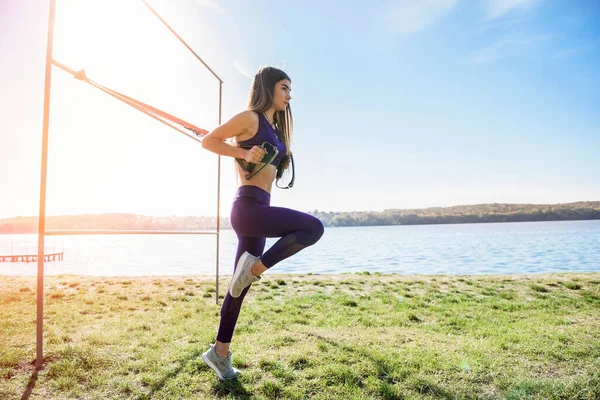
(253, 220)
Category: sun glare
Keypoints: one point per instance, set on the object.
(102, 146)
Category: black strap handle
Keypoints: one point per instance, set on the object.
(272, 152)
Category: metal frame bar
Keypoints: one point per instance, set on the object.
(42, 232)
(42, 215)
(68, 232)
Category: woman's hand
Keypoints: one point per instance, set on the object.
(255, 155)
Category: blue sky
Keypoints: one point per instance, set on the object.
(397, 104)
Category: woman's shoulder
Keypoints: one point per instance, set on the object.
(250, 120)
(248, 116)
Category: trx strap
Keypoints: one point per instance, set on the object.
(153, 112)
(172, 121)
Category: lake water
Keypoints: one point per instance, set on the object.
(458, 249)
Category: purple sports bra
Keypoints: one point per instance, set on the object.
(266, 133)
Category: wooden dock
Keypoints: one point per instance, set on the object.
(27, 258)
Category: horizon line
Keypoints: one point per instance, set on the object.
(315, 210)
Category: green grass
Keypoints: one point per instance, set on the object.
(348, 336)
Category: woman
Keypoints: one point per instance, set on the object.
(268, 118)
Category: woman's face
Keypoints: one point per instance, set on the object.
(282, 97)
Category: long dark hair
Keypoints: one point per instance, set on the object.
(261, 99)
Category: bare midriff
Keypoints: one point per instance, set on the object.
(264, 179)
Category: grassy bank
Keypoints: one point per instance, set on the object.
(349, 336)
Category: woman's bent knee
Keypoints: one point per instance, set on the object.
(316, 231)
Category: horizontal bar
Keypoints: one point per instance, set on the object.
(127, 232)
(31, 255)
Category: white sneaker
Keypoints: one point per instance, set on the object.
(221, 365)
(243, 276)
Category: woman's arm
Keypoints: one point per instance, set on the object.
(237, 125)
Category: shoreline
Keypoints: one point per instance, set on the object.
(203, 277)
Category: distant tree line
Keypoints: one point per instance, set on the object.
(480, 213)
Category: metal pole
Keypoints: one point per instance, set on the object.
(219, 191)
(42, 215)
(180, 39)
(220, 106)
